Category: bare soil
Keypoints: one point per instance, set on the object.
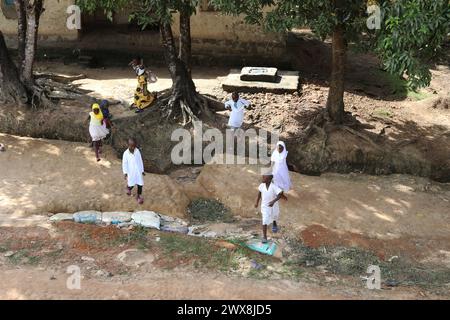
(48, 176)
(398, 215)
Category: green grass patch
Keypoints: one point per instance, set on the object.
(137, 236)
(24, 257)
(382, 113)
(209, 210)
(355, 261)
(399, 87)
(205, 254)
(418, 95)
(201, 252)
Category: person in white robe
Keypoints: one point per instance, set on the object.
(269, 195)
(133, 170)
(280, 169)
(237, 106)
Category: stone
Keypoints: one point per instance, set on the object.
(9, 254)
(116, 217)
(262, 74)
(87, 259)
(288, 83)
(102, 273)
(148, 219)
(61, 217)
(135, 257)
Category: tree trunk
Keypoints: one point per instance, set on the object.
(185, 36)
(11, 88)
(33, 12)
(184, 98)
(21, 32)
(335, 102)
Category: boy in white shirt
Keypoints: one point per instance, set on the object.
(133, 169)
(237, 106)
(269, 193)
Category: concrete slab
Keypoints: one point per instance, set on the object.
(289, 82)
(260, 74)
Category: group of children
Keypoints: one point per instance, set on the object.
(132, 165)
(275, 183)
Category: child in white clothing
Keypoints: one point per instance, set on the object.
(269, 194)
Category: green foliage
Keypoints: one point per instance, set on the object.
(408, 42)
(208, 210)
(410, 37)
(144, 12)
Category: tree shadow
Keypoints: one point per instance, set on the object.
(364, 75)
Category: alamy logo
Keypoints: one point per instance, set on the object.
(374, 20)
(74, 280)
(230, 148)
(374, 278)
(74, 18)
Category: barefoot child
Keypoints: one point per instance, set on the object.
(97, 128)
(269, 193)
(133, 169)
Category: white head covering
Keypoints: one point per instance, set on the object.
(140, 71)
(276, 155)
(266, 172)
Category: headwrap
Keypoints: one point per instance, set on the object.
(140, 70)
(104, 103)
(276, 155)
(99, 115)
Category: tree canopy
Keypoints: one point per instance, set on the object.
(409, 38)
(144, 12)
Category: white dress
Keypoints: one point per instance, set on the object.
(97, 130)
(237, 112)
(269, 214)
(133, 167)
(280, 169)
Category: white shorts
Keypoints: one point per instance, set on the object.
(270, 215)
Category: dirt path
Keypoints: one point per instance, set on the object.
(28, 283)
(395, 215)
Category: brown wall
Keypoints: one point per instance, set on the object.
(52, 25)
(213, 34)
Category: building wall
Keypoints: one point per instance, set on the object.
(212, 32)
(229, 36)
(52, 24)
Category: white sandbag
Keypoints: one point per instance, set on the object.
(61, 217)
(116, 217)
(148, 219)
(87, 216)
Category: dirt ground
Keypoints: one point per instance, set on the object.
(389, 216)
(392, 217)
